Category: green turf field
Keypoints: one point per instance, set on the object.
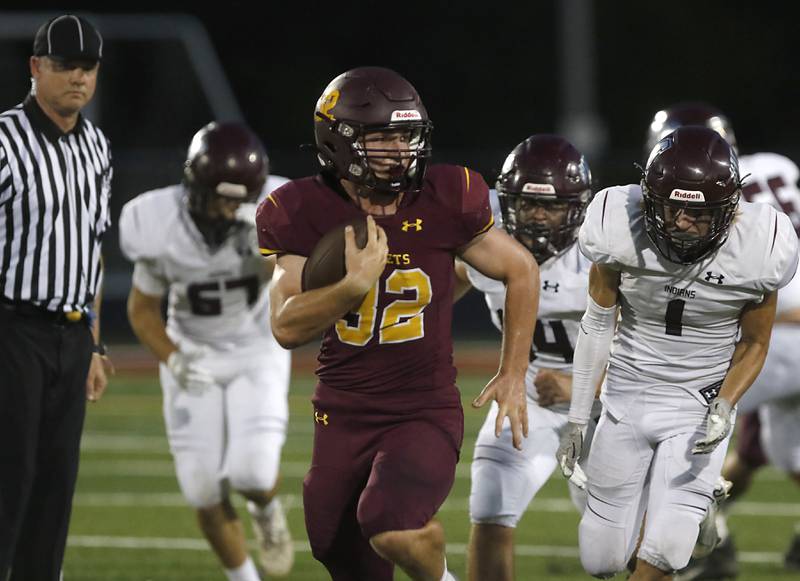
(129, 521)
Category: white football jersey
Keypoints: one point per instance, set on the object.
(771, 178)
(679, 323)
(217, 297)
(562, 302)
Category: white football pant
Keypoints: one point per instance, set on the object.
(231, 435)
(504, 479)
(643, 463)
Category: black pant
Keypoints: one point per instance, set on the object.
(43, 370)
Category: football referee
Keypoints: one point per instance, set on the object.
(55, 175)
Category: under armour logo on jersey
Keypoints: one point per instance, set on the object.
(320, 418)
(548, 286)
(711, 392)
(416, 225)
(717, 277)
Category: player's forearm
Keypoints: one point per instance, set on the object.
(592, 351)
(305, 316)
(521, 307)
(462, 284)
(148, 326)
(748, 359)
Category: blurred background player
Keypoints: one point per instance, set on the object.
(769, 413)
(224, 376)
(697, 290)
(543, 189)
(388, 417)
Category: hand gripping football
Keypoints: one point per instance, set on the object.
(325, 265)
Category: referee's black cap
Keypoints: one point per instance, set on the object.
(68, 37)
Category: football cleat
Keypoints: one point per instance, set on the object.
(275, 547)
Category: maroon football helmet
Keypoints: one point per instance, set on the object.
(689, 113)
(370, 100)
(692, 171)
(544, 171)
(225, 160)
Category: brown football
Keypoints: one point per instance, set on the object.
(326, 264)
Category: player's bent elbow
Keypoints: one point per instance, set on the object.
(289, 338)
(285, 339)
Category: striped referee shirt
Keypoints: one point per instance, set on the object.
(54, 209)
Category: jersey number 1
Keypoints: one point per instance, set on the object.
(674, 317)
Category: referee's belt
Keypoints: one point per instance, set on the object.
(24, 309)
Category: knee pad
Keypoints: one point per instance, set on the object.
(671, 536)
(254, 466)
(500, 492)
(603, 549)
(200, 486)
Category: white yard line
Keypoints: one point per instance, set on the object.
(555, 505)
(184, 544)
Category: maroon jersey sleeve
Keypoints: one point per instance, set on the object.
(466, 196)
(281, 224)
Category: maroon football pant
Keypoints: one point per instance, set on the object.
(371, 474)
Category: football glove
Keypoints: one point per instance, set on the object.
(569, 450)
(190, 374)
(718, 425)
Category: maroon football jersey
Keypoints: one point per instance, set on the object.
(398, 343)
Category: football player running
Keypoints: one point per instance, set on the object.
(695, 273)
(543, 189)
(388, 417)
(224, 376)
(769, 413)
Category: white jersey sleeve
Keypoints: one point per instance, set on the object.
(143, 227)
(770, 178)
(780, 262)
(606, 236)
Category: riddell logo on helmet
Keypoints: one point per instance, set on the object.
(687, 195)
(530, 188)
(406, 115)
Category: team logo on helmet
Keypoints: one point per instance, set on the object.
(326, 103)
(687, 195)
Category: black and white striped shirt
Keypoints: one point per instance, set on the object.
(54, 209)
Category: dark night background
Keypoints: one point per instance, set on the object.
(490, 74)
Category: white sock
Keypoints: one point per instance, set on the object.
(447, 576)
(245, 572)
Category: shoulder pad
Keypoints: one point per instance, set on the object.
(280, 217)
(146, 221)
(613, 218)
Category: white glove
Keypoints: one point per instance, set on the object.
(569, 450)
(718, 425)
(191, 376)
